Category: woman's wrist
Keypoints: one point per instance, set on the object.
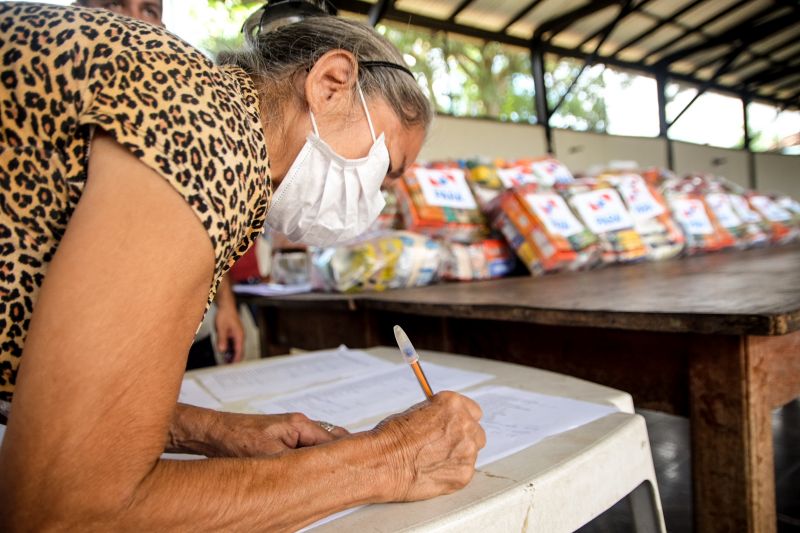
(388, 465)
(192, 430)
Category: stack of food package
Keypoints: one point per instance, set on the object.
(782, 223)
(662, 237)
(601, 209)
(389, 219)
(726, 200)
(487, 259)
(387, 260)
(438, 202)
(489, 181)
(701, 228)
(543, 230)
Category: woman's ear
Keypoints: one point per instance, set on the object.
(329, 84)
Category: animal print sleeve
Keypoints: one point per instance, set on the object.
(196, 125)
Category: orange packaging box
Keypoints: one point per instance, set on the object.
(439, 203)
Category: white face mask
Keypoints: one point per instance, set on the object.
(326, 199)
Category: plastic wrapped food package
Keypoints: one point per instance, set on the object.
(487, 259)
(547, 171)
(489, 181)
(389, 218)
(544, 232)
(660, 234)
(782, 223)
(391, 260)
(734, 214)
(439, 203)
(701, 228)
(601, 209)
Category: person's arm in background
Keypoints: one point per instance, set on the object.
(228, 325)
(104, 358)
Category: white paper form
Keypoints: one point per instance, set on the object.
(271, 289)
(291, 374)
(516, 419)
(346, 402)
(193, 394)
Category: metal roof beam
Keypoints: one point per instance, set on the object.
(699, 27)
(405, 17)
(378, 11)
(560, 23)
(522, 13)
(605, 32)
(771, 74)
(459, 8)
(731, 57)
(744, 32)
(662, 22)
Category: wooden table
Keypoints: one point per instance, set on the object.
(716, 338)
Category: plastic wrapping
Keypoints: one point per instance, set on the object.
(543, 230)
(487, 259)
(439, 203)
(390, 260)
(601, 209)
(660, 234)
(783, 227)
(489, 181)
(702, 230)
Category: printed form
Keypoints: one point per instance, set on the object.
(516, 419)
(349, 401)
(291, 374)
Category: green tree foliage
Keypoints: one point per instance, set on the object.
(583, 108)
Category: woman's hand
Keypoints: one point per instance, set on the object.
(432, 446)
(217, 434)
(228, 325)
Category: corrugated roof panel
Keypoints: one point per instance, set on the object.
(440, 9)
(785, 38)
(707, 9)
(665, 8)
(788, 52)
(489, 14)
(550, 9)
(689, 40)
(580, 30)
(751, 68)
(633, 25)
(736, 17)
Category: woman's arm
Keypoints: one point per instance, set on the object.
(102, 367)
(219, 434)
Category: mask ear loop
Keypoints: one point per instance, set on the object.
(313, 122)
(366, 112)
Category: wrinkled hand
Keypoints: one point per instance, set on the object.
(433, 446)
(218, 434)
(229, 331)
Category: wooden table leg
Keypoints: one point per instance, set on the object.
(732, 455)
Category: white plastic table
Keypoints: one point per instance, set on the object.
(557, 485)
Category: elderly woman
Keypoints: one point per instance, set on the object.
(133, 173)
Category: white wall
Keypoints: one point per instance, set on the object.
(731, 164)
(581, 150)
(452, 137)
(778, 173)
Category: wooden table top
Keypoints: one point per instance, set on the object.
(754, 292)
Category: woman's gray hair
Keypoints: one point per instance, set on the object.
(277, 56)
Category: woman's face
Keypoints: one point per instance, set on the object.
(329, 92)
(352, 139)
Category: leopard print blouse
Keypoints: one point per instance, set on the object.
(65, 71)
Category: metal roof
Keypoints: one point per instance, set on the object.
(750, 48)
